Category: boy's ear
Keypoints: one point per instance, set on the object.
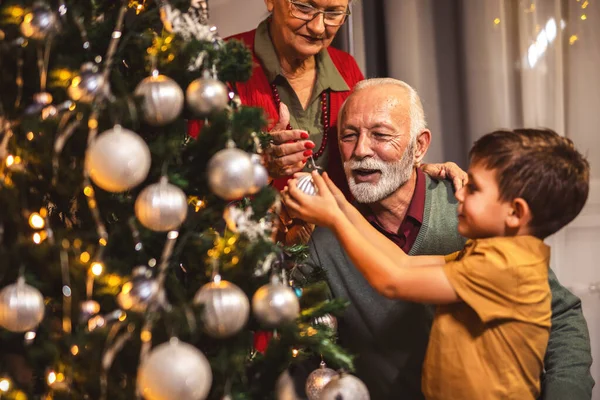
(520, 214)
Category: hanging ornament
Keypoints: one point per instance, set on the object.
(260, 174)
(230, 173)
(207, 95)
(225, 308)
(345, 386)
(161, 206)
(87, 85)
(40, 23)
(307, 185)
(118, 160)
(162, 99)
(275, 304)
(139, 291)
(327, 320)
(175, 370)
(89, 308)
(21, 307)
(317, 380)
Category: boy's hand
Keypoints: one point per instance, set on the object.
(321, 209)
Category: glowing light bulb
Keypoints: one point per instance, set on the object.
(36, 221)
(97, 268)
(4, 385)
(84, 257)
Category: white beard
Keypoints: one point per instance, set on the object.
(393, 176)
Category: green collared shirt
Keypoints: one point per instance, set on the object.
(328, 78)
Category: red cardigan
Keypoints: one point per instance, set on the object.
(256, 92)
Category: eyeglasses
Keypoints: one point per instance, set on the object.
(306, 12)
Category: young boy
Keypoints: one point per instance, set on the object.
(491, 327)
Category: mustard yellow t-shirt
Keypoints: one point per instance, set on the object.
(492, 344)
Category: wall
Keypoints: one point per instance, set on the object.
(235, 16)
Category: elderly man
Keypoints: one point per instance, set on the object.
(382, 136)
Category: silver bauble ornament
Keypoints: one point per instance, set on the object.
(207, 95)
(274, 304)
(345, 386)
(136, 294)
(317, 380)
(161, 206)
(225, 308)
(175, 370)
(87, 85)
(88, 308)
(306, 184)
(162, 99)
(21, 307)
(260, 175)
(118, 160)
(285, 388)
(230, 173)
(327, 320)
(39, 23)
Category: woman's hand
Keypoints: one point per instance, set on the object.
(289, 150)
(321, 209)
(447, 170)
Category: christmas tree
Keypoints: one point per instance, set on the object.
(134, 260)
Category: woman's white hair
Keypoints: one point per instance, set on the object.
(417, 116)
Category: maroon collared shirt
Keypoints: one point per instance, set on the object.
(409, 229)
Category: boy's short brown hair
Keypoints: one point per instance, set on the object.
(541, 167)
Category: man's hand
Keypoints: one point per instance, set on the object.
(447, 170)
(289, 150)
(321, 209)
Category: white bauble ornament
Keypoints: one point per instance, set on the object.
(230, 173)
(139, 291)
(260, 175)
(274, 304)
(345, 386)
(317, 380)
(207, 95)
(175, 370)
(118, 160)
(162, 99)
(40, 22)
(87, 85)
(21, 307)
(307, 185)
(161, 206)
(226, 308)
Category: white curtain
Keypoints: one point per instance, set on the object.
(481, 65)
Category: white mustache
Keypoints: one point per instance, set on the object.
(365, 163)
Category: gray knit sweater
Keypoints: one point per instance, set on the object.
(390, 337)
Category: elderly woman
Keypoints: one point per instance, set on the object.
(301, 83)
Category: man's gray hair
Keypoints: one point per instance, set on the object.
(417, 116)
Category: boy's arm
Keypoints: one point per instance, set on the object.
(396, 279)
(389, 273)
(568, 357)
